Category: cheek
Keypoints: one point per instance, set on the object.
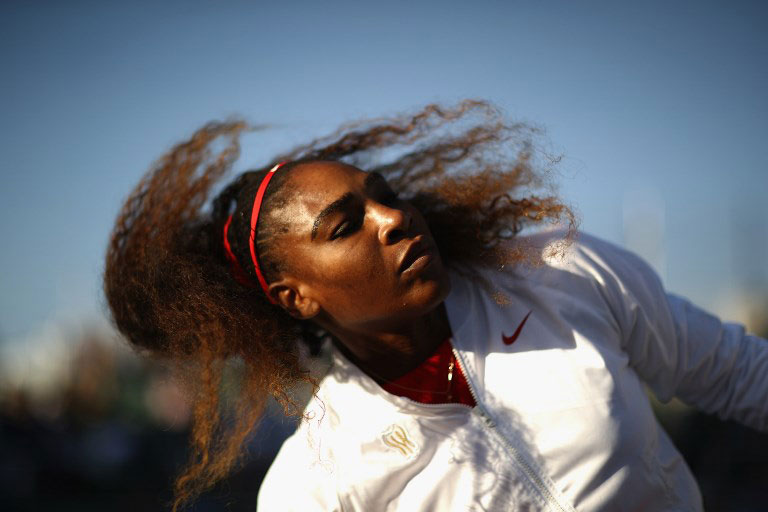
(355, 272)
(355, 279)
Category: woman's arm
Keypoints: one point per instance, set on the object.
(679, 349)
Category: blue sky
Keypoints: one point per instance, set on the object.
(659, 107)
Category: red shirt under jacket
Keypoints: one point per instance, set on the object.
(428, 383)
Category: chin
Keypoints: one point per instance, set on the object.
(431, 292)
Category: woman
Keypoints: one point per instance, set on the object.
(474, 368)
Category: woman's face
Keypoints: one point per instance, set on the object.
(363, 255)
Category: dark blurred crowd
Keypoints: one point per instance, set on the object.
(113, 432)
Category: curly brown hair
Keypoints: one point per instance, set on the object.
(171, 289)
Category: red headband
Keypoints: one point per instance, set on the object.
(237, 270)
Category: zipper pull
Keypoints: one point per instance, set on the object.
(486, 419)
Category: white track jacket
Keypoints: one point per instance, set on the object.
(562, 421)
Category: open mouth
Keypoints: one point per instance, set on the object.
(419, 264)
(417, 256)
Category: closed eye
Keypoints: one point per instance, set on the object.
(346, 228)
(354, 220)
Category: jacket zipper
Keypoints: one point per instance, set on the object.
(532, 475)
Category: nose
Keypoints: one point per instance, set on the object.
(394, 223)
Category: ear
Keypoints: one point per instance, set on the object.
(295, 298)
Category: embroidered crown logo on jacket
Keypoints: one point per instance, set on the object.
(397, 437)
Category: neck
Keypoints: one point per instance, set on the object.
(390, 354)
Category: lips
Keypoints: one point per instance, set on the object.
(413, 252)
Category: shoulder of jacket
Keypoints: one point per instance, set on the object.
(584, 255)
(583, 265)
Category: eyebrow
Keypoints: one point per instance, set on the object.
(344, 201)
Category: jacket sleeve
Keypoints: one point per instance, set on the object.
(679, 349)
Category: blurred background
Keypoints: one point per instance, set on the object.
(659, 109)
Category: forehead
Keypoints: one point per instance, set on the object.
(315, 179)
(313, 186)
